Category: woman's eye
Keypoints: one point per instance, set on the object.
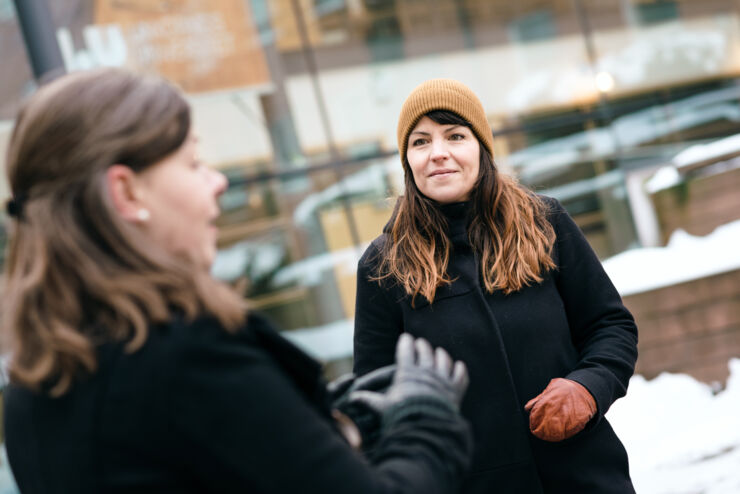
(418, 142)
(457, 137)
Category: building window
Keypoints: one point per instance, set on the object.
(6, 10)
(535, 26)
(656, 12)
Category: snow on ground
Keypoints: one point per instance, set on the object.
(681, 438)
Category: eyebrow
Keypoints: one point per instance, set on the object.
(452, 126)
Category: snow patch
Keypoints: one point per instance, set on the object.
(664, 178)
(685, 258)
(715, 150)
(681, 438)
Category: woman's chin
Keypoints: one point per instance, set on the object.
(447, 199)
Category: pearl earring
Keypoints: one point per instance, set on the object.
(143, 214)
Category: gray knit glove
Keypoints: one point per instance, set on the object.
(425, 381)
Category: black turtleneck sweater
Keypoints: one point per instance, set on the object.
(573, 324)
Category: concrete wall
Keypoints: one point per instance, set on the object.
(691, 327)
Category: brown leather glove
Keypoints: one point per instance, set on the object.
(562, 410)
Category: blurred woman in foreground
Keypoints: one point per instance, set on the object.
(132, 370)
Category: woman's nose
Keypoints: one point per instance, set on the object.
(220, 182)
(439, 149)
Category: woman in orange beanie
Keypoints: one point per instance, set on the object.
(505, 280)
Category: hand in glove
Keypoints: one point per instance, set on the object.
(562, 410)
(358, 423)
(377, 380)
(424, 380)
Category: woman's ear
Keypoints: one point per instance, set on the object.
(122, 185)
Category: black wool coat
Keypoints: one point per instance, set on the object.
(572, 325)
(200, 410)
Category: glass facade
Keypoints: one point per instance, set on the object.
(297, 102)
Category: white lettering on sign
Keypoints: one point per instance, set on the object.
(200, 40)
(105, 47)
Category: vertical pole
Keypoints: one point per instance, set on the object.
(593, 58)
(592, 61)
(39, 35)
(621, 226)
(324, 114)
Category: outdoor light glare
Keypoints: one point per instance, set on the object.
(604, 81)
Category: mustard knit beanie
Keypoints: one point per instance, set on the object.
(443, 94)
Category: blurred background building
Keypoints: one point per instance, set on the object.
(297, 102)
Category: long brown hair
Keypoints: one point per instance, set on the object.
(508, 231)
(75, 274)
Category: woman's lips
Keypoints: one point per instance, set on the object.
(441, 173)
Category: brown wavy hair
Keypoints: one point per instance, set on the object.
(76, 275)
(508, 231)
